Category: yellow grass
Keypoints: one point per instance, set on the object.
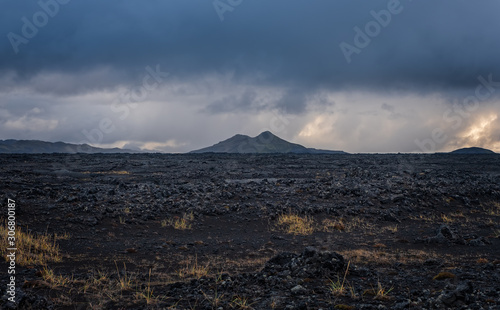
(179, 223)
(331, 225)
(240, 303)
(383, 257)
(338, 288)
(193, 270)
(32, 249)
(295, 224)
(55, 280)
(446, 219)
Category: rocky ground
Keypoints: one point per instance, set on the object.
(212, 231)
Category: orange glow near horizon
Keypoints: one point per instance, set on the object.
(480, 133)
(477, 131)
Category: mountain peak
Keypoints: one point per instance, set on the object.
(266, 133)
(266, 136)
(266, 142)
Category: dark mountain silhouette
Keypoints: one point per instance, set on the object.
(472, 150)
(264, 143)
(36, 146)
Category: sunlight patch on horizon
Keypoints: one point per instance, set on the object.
(477, 131)
(152, 146)
(320, 125)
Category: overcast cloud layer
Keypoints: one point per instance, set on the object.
(361, 76)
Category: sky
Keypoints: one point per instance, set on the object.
(178, 75)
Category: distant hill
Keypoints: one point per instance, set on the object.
(265, 143)
(36, 146)
(472, 150)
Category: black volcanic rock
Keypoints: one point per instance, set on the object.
(264, 143)
(472, 150)
(35, 146)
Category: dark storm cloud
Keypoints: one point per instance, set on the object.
(427, 46)
(245, 101)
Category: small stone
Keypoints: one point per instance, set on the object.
(299, 289)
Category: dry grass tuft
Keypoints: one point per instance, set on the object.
(444, 275)
(379, 246)
(240, 303)
(179, 223)
(331, 225)
(147, 293)
(495, 209)
(393, 229)
(384, 257)
(295, 224)
(379, 293)
(446, 219)
(32, 249)
(383, 293)
(193, 270)
(49, 276)
(338, 288)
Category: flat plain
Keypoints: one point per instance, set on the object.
(222, 231)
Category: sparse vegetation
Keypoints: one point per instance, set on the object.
(444, 275)
(496, 233)
(214, 298)
(482, 261)
(240, 303)
(147, 293)
(54, 280)
(393, 229)
(331, 225)
(32, 248)
(380, 257)
(295, 224)
(179, 223)
(379, 293)
(124, 279)
(446, 218)
(305, 225)
(142, 265)
(337, 288)
(193, 270)
(382, 293)
(425, 218)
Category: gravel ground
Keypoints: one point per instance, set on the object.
(207, 231)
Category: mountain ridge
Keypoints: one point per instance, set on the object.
(472, 150)
(264, 143)
(12, 146)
